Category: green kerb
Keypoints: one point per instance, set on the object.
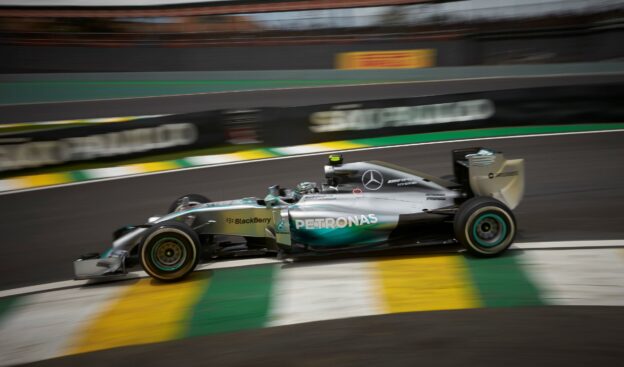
(182, 163)
(236, 299)
(78, 176)
(501, 282)
(5, 305)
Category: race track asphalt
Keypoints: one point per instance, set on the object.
(282, 98)
(537, 336)
(574, 192)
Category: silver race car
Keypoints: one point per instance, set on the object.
(361, 206)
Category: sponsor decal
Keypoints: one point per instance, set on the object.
(357, 192)
(339, 119)
(410, 181)
(372, 180)
(312, 197)
(338, 222)
(435, 196)
(250, 220)
(503, 174)
(396, 59)
(39, 153)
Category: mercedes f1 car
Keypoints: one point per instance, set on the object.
(361, 206)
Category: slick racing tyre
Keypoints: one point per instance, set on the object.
(169, 251)
(485, 226)
(194, 199)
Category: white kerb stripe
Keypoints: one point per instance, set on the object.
(110, 172)
(41, 326)
(301, 149)
(10, 184)
(304, 293)
(566, 244)
(212, 159)
(577, 277)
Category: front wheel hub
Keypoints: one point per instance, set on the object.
(168, 254)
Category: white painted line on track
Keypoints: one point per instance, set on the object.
(224, 264)
(131, 275)
(567, 245)
(309, 155)
(512, 77)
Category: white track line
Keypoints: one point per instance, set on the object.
(18, 191)
(567, 245)
(131, 275)
(513, 77)
(263, 261)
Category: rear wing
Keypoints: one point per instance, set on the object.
(487, 173)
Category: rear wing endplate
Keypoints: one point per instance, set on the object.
(488, 173)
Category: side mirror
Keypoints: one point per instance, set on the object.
(272, 199)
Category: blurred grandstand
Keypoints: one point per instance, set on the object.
(161, 23)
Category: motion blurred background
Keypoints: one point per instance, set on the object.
(70, 36)
(115, 51)
(107, 93)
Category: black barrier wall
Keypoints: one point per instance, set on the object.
(311, 124)
(489, 49)
(366, 119)
(112, 140)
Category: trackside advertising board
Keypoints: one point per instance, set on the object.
(134, 138)
(365, 119)
(397, 59)
(285, 126)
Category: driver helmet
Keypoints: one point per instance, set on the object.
(305, 188)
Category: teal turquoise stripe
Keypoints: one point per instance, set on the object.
(236, 299)
(54, 91)
(486, 133)
(501, 282)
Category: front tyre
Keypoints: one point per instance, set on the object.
(485, 226)
(169, 251)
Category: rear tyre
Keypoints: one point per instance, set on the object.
(485, 226)
(169, 251)
(194, 199)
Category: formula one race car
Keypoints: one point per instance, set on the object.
(361, 206)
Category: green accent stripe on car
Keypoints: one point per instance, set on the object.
(236, 299)
(501, 282)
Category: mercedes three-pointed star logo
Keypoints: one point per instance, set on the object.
(372, 180)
